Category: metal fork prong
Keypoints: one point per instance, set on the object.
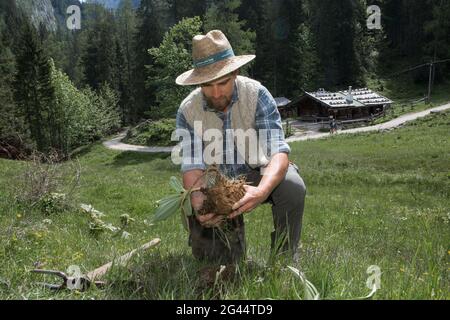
(51, 272)
(51, 286)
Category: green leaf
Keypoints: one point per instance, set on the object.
(184, 221)
(167, 207)
(186, 210)
(167, 199)
(176, 185)
(187, 207)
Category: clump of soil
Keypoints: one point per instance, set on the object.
(221, 192)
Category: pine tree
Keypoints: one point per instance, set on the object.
(149, 34)
(127, 24)
(276, 24)
(7, 67)
(99, 58)
(266, 61)
(404, 25)
(33, 91)
(438, 29)
(222, 15)
(75, 49)
(334, 28)
(303, 73)
(249, 11)
(12, 139)
(14, 19)
(187, 8)
(285, 29)
(120, 82)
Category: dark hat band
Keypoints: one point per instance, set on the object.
(214, 58)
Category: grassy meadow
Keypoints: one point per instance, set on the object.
(372, 199)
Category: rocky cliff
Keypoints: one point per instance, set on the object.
(40, 12)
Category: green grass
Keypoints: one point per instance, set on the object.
(372, 199)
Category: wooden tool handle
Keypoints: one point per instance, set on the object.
(97, 273)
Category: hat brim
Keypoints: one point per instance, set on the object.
(213, 71)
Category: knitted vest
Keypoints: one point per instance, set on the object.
(243, 114)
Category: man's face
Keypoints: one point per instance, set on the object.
(218, 93)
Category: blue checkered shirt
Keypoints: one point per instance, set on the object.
(267, 117)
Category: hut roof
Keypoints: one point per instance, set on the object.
(282, 101)
(361, 97)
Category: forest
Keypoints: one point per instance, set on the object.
(62, 88)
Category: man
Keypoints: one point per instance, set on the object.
(333, 125)
(224, 103)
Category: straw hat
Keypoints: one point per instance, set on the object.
(213, 58)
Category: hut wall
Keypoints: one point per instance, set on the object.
(307, 108)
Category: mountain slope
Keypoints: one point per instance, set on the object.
(40, 12)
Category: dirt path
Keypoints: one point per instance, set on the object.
(116, 144)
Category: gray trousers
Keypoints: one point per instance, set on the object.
(227, 244)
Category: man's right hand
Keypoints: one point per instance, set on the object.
(208, 220)
(197, 198)
(193, 179)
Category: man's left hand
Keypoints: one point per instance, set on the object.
(252, 198)
(210, 220)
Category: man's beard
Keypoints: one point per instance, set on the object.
(218, 104)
